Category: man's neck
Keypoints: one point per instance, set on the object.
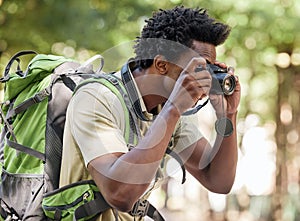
(149, 86)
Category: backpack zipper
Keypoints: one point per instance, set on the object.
(83, 197)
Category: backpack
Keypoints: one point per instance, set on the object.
(33, 116)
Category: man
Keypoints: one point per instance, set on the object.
(164, 82)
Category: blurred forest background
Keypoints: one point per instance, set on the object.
(264, 48)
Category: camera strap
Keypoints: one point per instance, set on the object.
(132, 92)
(195, 109)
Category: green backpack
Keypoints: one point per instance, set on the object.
(33, 116)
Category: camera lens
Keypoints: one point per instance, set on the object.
(228, 84)
(222, 82)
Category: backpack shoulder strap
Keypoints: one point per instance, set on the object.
(114, 84)
(141, 208)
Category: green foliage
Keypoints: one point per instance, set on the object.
(75, 28)
(87, 24)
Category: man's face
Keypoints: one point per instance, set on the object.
(198, 48)
(205, 50)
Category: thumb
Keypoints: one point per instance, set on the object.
(219, 103)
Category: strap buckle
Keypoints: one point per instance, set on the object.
(140, 208)
(12, 217)
(38, 97)
(8, 213)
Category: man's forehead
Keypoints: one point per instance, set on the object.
(205, 50)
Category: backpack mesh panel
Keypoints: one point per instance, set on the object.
(57, 107)
(53, 158)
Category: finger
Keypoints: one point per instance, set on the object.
(201, 75)
(236, 78)
(230, 70)
(204, 82)
(203, 90)
(238, 85)
(200, 94)
(220, 64)
(194, 63)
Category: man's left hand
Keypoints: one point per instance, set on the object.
(226, 104)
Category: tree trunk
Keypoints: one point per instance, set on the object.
(287, 139)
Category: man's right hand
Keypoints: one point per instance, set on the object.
(191, 85)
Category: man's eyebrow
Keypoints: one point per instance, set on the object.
(208, 59)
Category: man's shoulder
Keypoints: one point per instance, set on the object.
(96, 90)
(95, 97)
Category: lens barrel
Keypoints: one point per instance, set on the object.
(222, 82)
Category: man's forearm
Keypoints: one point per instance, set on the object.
(147, 155)
(224, 157)
(130, 174)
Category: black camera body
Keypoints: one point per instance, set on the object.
(222, 82)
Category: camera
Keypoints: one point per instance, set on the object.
(222, 82)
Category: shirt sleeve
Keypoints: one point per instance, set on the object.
(97, 121)
(186, 133)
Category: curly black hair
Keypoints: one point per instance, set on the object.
(170, 32)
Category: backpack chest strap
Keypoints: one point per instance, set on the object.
(37, 98)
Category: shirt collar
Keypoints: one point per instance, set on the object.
(146, 114)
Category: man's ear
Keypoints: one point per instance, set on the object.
(161, 64)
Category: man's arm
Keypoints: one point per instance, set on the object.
(123, 178)
(214, 167)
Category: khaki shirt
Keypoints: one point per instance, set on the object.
(95, 126)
